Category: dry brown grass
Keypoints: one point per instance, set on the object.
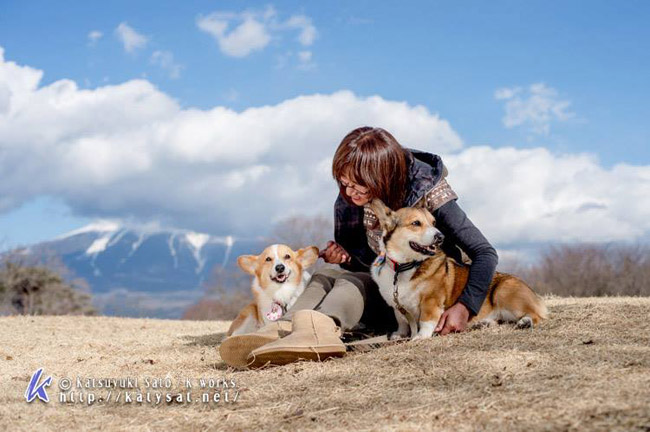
(586, 368)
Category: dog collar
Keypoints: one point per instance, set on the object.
(398, 268)
(395, 266)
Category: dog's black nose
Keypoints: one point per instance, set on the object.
(279, 268)
(438, 238)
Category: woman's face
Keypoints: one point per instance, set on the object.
(359, 195)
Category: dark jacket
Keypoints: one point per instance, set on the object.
(426, 187)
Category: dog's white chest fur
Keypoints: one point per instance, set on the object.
(408, 298)
(286, 295)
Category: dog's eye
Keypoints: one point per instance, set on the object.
(287, 256)
(416, 223)
(268, 258)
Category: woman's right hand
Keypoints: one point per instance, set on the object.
(334, 254)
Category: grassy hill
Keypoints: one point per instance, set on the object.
(586, 368)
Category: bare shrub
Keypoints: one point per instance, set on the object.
(300, 231)
(38, 290)
(591, 270)
(225, 307)
(227, 292)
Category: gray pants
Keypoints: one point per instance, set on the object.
(349, 298)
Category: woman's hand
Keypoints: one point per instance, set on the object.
(334, 254)
(453, 320)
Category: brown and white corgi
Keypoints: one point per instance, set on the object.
(279, 278)
(419, 281)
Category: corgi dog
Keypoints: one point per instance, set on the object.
(279, 278)
(419, 281)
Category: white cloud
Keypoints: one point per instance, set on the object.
(165, 60)
(94, 36)
(304, 56)
(507, 93)
(240, 34)
(308, 32)
(130, 38)
(130, 151)
(305, 62)
(535, 109)
(530, 196)
(250, 35)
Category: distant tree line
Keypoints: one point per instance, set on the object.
(586, 270)
(44, 286)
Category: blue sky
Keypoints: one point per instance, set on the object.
(588, 59)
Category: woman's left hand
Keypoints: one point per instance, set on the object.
(334, 254)
(453, 320)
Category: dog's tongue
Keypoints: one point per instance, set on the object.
(275, 313)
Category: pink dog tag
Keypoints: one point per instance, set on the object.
(275, 313)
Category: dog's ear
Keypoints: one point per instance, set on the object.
(308, 256)
(247, 263)
(384, 214)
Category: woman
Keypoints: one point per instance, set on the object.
(369, 163)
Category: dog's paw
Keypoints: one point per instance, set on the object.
(396, 336)
(483, 324)
(525, 323)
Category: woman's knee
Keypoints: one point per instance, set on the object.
(325, 278)
(360, 281)
(329, 272)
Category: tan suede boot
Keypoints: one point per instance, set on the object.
(236, 349)
(315, 336)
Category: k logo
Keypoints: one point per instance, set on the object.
(35, 389)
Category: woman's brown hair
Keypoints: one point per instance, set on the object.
(372, 158)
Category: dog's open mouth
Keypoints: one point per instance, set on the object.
(280, 277)
(424, 250)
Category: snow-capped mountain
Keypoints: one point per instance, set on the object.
(145, 271)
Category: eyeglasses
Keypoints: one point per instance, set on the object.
(361, 193)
